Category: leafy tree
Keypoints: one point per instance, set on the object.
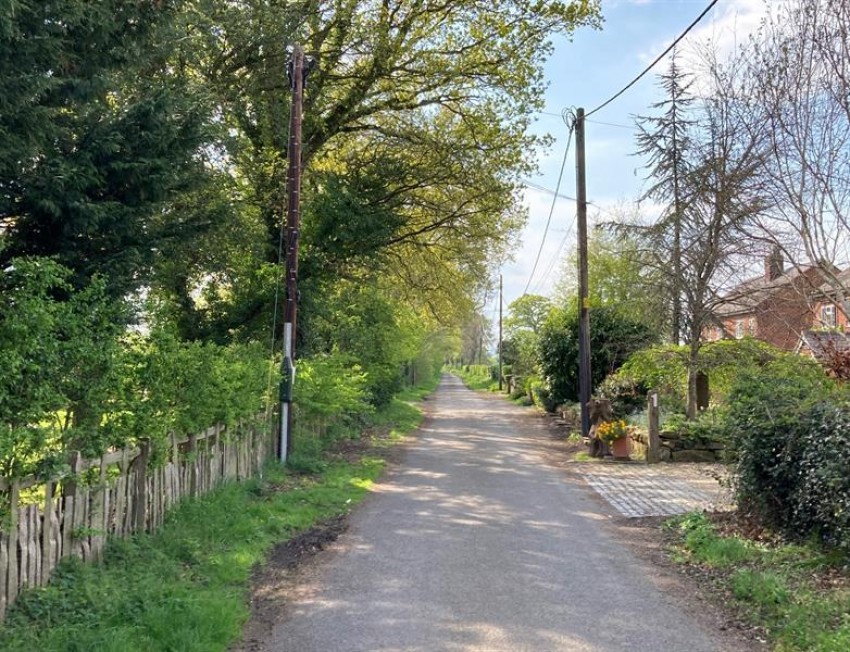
(621, 275)
(99, 134)
(613, 338)
(60, 360)
(418, 141)
(528, 313)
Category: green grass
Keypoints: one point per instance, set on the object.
(185, 588)
(786, 589)
(474, 380)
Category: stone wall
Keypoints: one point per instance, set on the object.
(676, 449)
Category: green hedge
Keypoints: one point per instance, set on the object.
(790, 429)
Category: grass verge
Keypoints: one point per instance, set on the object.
(475, 378)
(799, 595)
(185, 588)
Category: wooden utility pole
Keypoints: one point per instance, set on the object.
(584, 316)
(293, 226)
(500, 332)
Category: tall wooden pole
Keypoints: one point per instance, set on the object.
(584, 315)
(293, 226)
(500, 332)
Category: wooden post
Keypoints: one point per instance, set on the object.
(48, 550)
(192, 455)
(98, 520)
(11, 539)
(140, 498)
(293, 234)
(653, 444)
(584, 376)
(71, 499)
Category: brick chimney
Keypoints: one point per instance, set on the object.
(774, 265)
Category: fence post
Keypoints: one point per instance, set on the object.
(98, 514)
(11, 588)
(653, 444)
(70, 508)
(140, 500)
(192, 460)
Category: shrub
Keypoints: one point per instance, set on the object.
(541, 396)
(821, 500)
(331, 394)
(627, 396)
(614, 337)
(791, 433)
(709, 426)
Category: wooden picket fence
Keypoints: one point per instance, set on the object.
(116, 495)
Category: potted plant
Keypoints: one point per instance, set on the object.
(617, 434)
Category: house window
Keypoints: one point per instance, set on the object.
(739, 329)
(719, 333)
(827, 315)
(751, 326)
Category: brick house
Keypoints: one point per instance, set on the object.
(777, 307)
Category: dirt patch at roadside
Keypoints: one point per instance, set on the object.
(271, 582)
(282, 576)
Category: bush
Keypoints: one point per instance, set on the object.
(542, 397)
(663, 369)
(791, 432)
(822, 497)
(614, 337)
(331, 394)
(708, 426)
(626, 395)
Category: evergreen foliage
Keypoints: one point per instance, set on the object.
(100, 132)
(613, 337)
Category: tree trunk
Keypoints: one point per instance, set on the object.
(693, 357)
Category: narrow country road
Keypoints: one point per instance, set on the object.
(477, 544)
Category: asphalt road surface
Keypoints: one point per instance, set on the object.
(477, 544)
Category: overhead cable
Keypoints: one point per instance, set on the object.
(551, 208)
(657, 59)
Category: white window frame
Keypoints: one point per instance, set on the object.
(828, 315)
(739, 329)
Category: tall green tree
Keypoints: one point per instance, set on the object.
(614, 336)
(665, 140)
(100, 131)
(415, 128)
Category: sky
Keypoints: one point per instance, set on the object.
(584, 73)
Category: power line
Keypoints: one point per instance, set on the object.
(657, 59)
(538, 286)
(552, 207)
(611, 124)
(548, 191)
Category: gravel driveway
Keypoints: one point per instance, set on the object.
(477, 543)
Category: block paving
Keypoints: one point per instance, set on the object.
(636, 490)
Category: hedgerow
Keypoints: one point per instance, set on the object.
(790, 431)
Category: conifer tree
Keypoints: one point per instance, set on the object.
(99, 132)
(665, 140)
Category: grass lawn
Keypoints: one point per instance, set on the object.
(185, 588)
(798, 594)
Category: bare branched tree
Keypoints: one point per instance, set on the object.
(791, 87)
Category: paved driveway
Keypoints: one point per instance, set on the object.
(477, 543)
(660, 490)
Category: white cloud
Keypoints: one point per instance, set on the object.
(728, 27)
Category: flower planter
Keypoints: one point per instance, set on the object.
(620, 448)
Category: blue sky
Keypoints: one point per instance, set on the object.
(585, 72)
